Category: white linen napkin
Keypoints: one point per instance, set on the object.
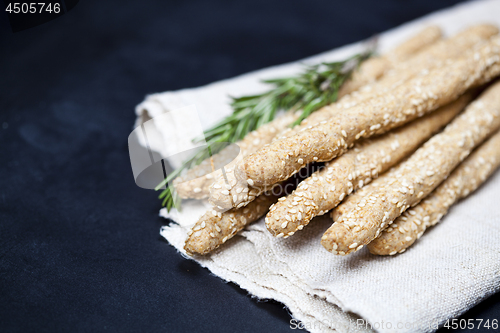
(454, 266)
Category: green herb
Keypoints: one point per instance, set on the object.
(312, 89)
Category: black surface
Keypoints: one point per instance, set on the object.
(79, 244)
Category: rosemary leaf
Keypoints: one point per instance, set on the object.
(310, 90)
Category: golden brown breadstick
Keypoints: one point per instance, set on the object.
(414, 45)
(325, 141)
(214, 228)
(465, 179)
(196, 182)
(226, 195)
(326, 188)
(409, 182)
(430, 57)
(374, 68)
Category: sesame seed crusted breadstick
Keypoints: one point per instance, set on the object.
(374, 68)
(214, 228)
(406, 184)
(430, 57)
(326, 188)
(468, 176)
(325, 141)
(414, 45)
(196, 182)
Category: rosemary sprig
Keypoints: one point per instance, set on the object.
(312, 89)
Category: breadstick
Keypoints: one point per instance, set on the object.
(374, 68)
(326, 188)
(331, 138)
(432, 56)
(409, 182)
(196, 182)
(227, 196)
(214, 228)
(414, 45)
(464, 180)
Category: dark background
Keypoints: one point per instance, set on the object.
(80, 249)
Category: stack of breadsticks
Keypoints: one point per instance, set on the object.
(409, 136)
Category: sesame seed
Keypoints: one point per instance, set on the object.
(250, 182)
(300, 161)
(284, 224)
(342, 196)
(280, 235)
(217, 186)
(288, 218)
(353, 245)
(225, 192)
